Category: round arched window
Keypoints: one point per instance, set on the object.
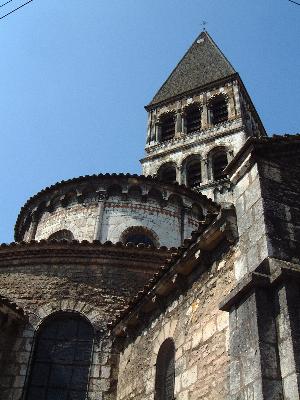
(165, 371)
(63, 234)
(139, 234)
(61, 359)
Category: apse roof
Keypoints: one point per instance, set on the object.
(202, 64)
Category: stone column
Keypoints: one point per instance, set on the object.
(157, 132)
(179, 175)
(204, 117)
(178, 124)
(182, 224)
(231, 106)
(99, 217)
(33, 226)
(149, 129)
(204, 171)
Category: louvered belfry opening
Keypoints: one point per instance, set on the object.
(193, 173)
(167, 127)
(193, 119)
(165, 371)
(61, 359)
(218, 110)
(219, 162)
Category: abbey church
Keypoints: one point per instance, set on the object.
(180, 283)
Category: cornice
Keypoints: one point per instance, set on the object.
(204, 88)
(129, 256)
(181, 145)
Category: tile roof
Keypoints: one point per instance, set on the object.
(202, 64)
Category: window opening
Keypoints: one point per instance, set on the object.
(167, 173)
(193, 119)
(219, 163)
(137, 238)
(63, 234)
(165, 371)
(167, 127)
(137, 235)
(219, 111)
(61, 360)
(193, 173)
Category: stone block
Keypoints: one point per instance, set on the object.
(189, 377)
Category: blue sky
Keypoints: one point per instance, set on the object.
(75, 75)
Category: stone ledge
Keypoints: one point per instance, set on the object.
(269, 273)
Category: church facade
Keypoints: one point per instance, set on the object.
(181, 283)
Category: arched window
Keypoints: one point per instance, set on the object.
(218, 110)
(63, 234)
(167, 173)
(167, 126)
(219, 162)
(165, 371)
(61, 359)
(193, 173)
(193, 119)
(139, 234)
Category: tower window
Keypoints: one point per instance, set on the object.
(218, 110)
(167, 173)
(219, 162)
(61, 359)
(193, 119)
(167, 127)
(165, 371)
(193, 173)
(63, 234)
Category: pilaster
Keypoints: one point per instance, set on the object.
(264, 311)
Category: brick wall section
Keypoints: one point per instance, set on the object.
(200, 333)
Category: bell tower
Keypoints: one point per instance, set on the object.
(198, 120)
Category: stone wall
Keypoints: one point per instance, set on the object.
(200, 332)
(252, 247)
(281, 199)
(266, 196)
(45, 279)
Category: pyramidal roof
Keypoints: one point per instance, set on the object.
(202, 64)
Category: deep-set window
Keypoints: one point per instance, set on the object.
(167, 173)
(219, 162)
(63, 234)
(193, 173)
(193, 119)
(137, 235)
(218, 110)
(167, 126)
(165, 371)
(61, 359)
